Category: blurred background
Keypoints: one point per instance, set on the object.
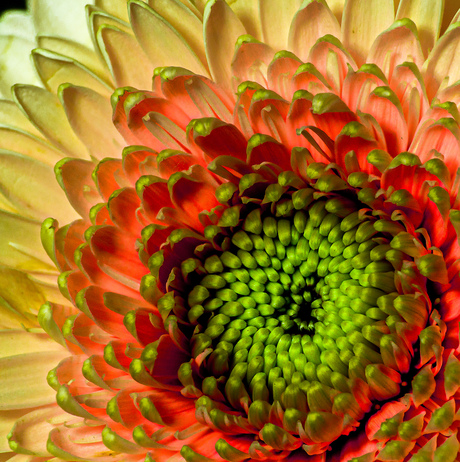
(12, 4)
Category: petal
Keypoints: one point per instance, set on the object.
(186, 22)
(90, 116)
(61, 19)
(15, 63)
(221, 29)
(45, 112)
(363, 21)
(395, 46)
(427, 16)
(19, 342)
(18, 23)
(310, 23)
(55, 69)
(20, 179)
(23, 379)
(124, 57)
(276, 17)
(442, 67)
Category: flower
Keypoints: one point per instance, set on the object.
(257, 253)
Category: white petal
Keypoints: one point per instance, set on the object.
(363, 21)
(15, 64)
(62, 18)
(18, 23)
(427, 16)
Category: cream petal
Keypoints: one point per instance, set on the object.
(161, 42)
(23, 379)
(55, 70)
(427, 16)
(98, 18)
(17, 23)
(15, 64)
(363, 21)
(312, 21)
(20, 246)
(20, 341)
(20, 179)
(184, 20)
(32, 146)
(90, 115)
(276, 17)
(12, 116)
(337, 6)
(114, 7)
(79, 53)
(7, 420)
(396, 45)
(46, 113)
(249, 14)
(221, 28)
(61, 18)
(128, 63)
(442, 68)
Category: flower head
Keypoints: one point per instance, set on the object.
(257, 248)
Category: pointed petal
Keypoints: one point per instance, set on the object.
(310, 23)
(46, 113)
(427, 16)
(221, 28)
(127, 62)
(90, 116)
(55, 69)
(276, 17)
(363, 21)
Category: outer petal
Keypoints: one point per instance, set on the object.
(363, 21)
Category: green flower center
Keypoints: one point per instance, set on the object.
(287, 300)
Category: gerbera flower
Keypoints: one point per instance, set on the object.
(253, 231)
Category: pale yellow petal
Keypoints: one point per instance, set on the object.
(442, 67)
(18, 23)
(363, 21)
(46, 113)
(221, 30)
(185, 21)
(78, 52)
(20, 245)
(114, 7)
(90, 115)
(128, 63)
(12, 116)
(19, 341)
(312, 21)
(248, 12)
(276, 17)
(15, 65)
(427, 16)
(20, 179)
(23, 379)
(55, 69)
(7, 420)
(337, 7)
(61, 18)
(161, 42)
(29, 145)
(98, 18)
